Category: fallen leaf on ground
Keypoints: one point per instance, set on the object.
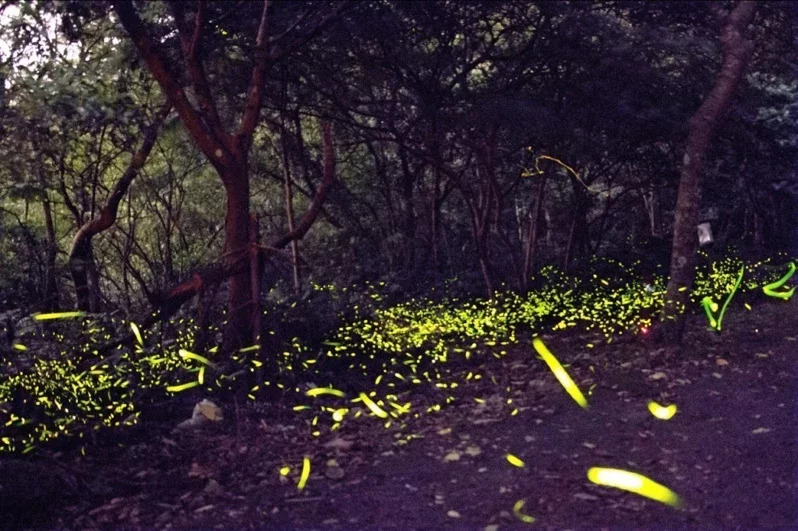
(473, 450)
(338, 444)
(451, 456)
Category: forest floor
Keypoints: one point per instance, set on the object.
(730, 451)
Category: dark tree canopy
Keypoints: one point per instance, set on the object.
(479, 140)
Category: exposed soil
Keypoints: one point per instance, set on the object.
(730, 451)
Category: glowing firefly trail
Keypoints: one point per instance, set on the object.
(559, 372)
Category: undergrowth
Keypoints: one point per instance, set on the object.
(365, 366)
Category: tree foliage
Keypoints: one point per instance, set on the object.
(474, 140)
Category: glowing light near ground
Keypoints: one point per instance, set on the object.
(185, 354)
(770, 289)
(707, 303)
(182, 387)
(518, 509)
(559, 372)
(662, 412)
(711, 306)
(317, 391)
(417, 338)
(633, 482)
(377, 410)
(56, 315)
(137, 333)
(303, 478)
(513, 460)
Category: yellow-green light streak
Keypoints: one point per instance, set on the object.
(56, 315)
(303, 478)
(182, 387)
(377, 410)
(633, 482)
(518, 512)
(770, 289)
(711, 306)
(559, 372)
(317, 391)
(185, 354)
(136, 332)
(513, 460)
(662, 412)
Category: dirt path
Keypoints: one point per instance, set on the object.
(730, 452)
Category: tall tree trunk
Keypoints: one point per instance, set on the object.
(226, 151)
(255, 275)
(289, 210)
(51, 297)
(433, 144)
(239, 329)
(408, 214)
(577, 244)
(737, 50)
(532, 241)
(481, 207)
(81, 255)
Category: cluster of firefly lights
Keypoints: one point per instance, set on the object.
(424, 333)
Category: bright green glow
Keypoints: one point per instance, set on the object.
(303, 478)
(401, 409)
(637, 483)
(770, 289)
(415, 338)
(249, 349)
(284, 471)
(316, 391)
(137, 333)
(559, 372)
(710, 306)
(20, 346)
(182, 387)
(187, 355)
(518, 512)
(662, 412)
(373, 406)
(56, 315)
(513, 460)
